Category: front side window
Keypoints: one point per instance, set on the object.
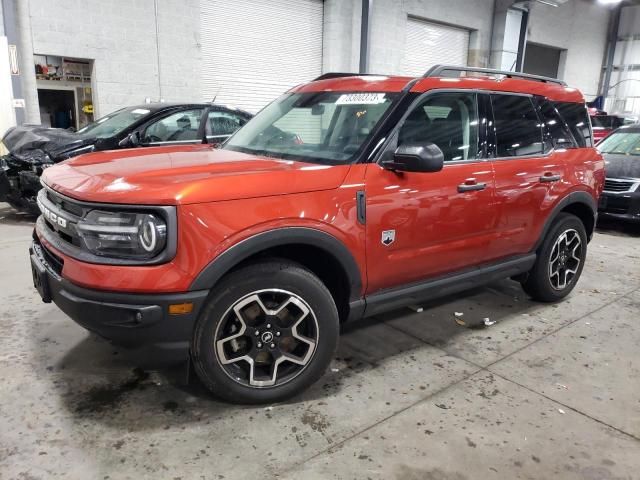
(221, 123)
(627, 143)
(449, 120)
(181, 126)
(321, 127)
(576, 116)
(113, 123)
(517, 128)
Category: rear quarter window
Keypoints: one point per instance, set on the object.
(577, 118)
(556, 131)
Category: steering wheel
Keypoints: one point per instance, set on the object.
(152, 138)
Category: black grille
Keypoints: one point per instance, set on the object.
(617, 204)
(65, 204)
(617, 185)
(54, 261)
(69, 211)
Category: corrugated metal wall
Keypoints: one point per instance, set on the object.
(431, 43)
(254, 50)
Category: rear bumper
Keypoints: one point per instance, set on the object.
(621, 206)
(137, 321)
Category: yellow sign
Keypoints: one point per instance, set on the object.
(88, 109)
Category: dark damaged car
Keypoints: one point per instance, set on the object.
(621, 196)
(33, 148)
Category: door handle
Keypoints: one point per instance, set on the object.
(550, 177)
(471, 186)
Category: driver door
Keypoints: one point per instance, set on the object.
(423, 225)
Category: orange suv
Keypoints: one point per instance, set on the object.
(345, 197)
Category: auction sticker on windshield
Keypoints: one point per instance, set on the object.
(361, 99)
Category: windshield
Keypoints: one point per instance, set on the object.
(621, 142)
(322, 127)
(114, 123)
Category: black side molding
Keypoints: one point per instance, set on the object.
(361, 206)
(219, 266)
(416, 293)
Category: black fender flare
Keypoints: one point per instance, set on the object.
(231, 257)
(580, 197)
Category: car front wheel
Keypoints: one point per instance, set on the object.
(268, 332)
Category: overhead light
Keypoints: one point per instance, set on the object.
(609, 2)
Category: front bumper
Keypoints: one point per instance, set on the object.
(19, 189)
(621, 206)
(137, 321)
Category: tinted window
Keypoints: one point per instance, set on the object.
(181, 126)
(221, 123)
(518, 130)
(450, 120)
(557, 133)
(575, 115)
(114, 123)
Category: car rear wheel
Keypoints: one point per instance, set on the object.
(268, 332)
(560, 260)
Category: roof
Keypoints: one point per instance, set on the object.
(384, 83)
(158, 106)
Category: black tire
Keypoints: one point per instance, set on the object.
(240, 286)
(539, 283)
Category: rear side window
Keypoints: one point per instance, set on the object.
(556, 133)
(517, 127)
(577, 118)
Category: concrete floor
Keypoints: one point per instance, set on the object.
(550, 391)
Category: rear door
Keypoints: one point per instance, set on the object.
(220, 124)
(179, 127)
(529, 174)
(422, 225)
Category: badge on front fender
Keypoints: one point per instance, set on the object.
(388, 237)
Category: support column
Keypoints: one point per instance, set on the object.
(27, 77)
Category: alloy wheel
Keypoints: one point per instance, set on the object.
(266, 338)
(565, 259)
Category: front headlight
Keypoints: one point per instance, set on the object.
(140, 236)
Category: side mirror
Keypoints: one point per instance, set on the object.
(131, 140)
(416, 158)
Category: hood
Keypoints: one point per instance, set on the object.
(175, 175)
(621, 166)
(34, 143)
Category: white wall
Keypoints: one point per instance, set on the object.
(625, 94)
(120, 36)
(580, 28)
(7, 113)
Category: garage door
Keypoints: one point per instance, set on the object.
(431, 43)
(254, 50)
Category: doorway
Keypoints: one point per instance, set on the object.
(57, 108)
(542, 60)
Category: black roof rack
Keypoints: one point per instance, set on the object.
(438, 70)
(326, 76)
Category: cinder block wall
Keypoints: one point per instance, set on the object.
(120, 36)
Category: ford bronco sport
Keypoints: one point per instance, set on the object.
(344, 198)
